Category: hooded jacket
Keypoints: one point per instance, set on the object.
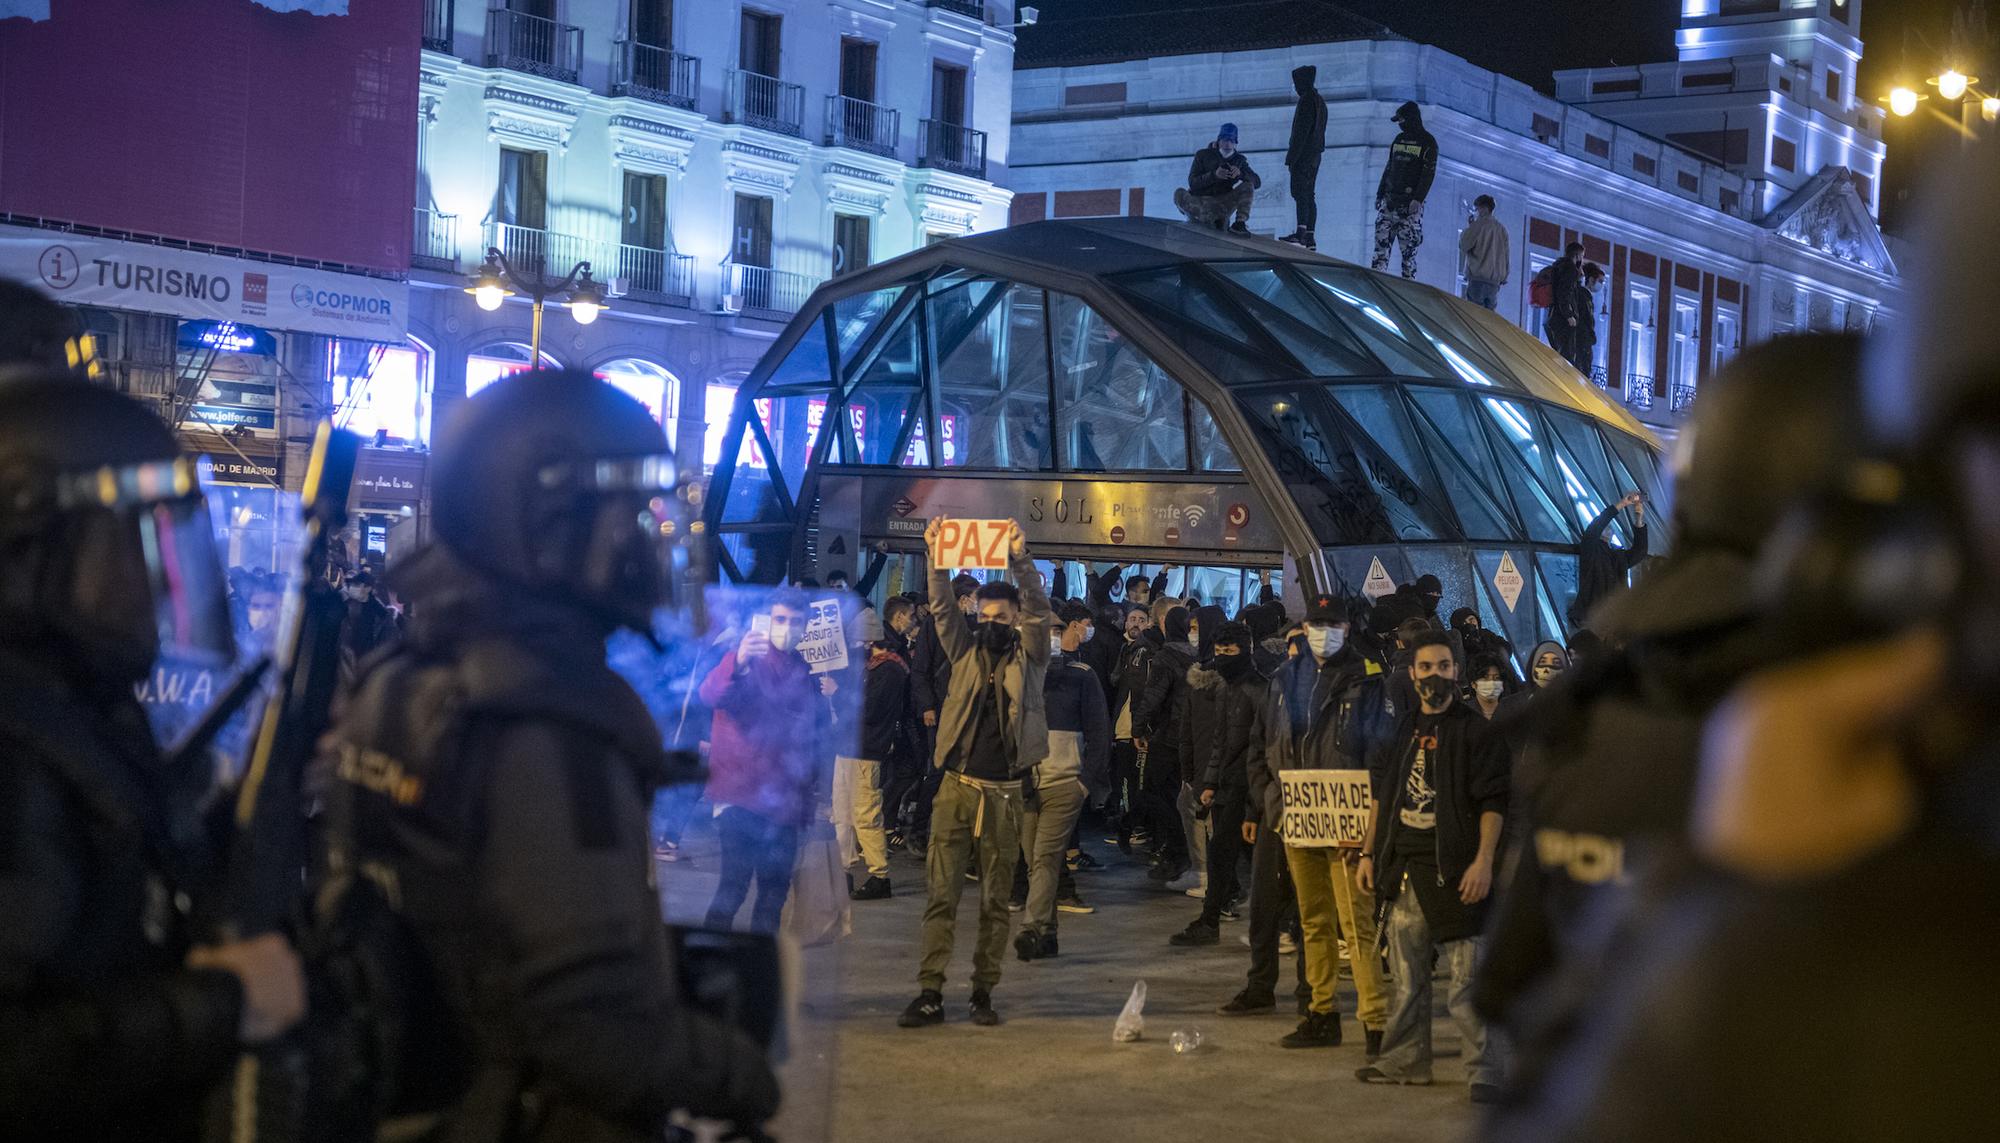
(1483, 251)
(1240, 736)
(1308, 122)
(1600, 568)
(1024, 730)
(1074, 704)
(1413, 160)
(1203, 181)
(763, 737)
(1345, 711)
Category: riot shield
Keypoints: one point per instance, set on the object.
(772, 817)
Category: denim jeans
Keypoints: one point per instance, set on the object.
(753, 848)
(1406, 1043)
(1482, 293)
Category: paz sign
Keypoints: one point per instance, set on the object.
(972, 544)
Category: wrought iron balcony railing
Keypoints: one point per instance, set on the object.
(655, 74)
(765, 102)
(521, 42)
(435, 244)
(657, 275)
(760, 291)
(862, 126)
(951, 147)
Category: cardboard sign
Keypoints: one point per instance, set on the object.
(1325, 808)
(1379, 582)
(1507, 580)
(825, 644)
(972, 544)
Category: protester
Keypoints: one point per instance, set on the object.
(1079, 750)
(1158, 732)
(1196, 720)
(1489, 685)
(1478, 641)
(1583, 342)
(1483, 257)
(1135, 664)
(1440, 781)
(1602, 570)
(1406, 182)
(991, 734)
(1101, 651)
(1302, 154)
(1327, 711)
(369, 625)
(858, 780)
(1238, 739)
(1220, 185)
(1565, 290)
(761, 762)
(930, 681)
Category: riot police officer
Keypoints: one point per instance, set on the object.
(494, 777)
(111, 1025)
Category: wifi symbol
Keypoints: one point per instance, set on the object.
(1194, 514)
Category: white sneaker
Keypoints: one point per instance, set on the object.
(1192, 883)
(1286, 945)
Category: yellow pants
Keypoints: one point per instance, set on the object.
(1324, 880)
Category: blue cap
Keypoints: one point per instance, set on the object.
(1228, 132)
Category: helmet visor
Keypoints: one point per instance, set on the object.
(160, 506)
(630, 554)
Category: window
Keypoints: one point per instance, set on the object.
(1727, 327)
(752, 244)
(948, 94)
(857, 69)
(524, 189)
(493, 363)
(851, 249)
(1645, 164)
(716, 404)
(646, 383)
(993, 376)
(1614, 86)
(1639, 340)
(1784, 153)
(1832, 85)
(652, 22)
(645, 221)
(759, 50)
(1730, 200)
(1688, 181)
(1730, 148)
(383, 391)
(1538, 318)
(1545, 128)
(1598, 146)
(1686, 345)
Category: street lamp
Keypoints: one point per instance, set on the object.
(1903, 101)
(582, 294)
(1952, 84)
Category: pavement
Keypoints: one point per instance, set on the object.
(1051, 1071)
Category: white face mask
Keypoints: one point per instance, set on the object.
(782, 638)
(1055, 645)
(1546, 675)
(1488, 689)
(1326, 642)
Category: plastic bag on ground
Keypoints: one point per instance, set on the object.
(1132, 1021)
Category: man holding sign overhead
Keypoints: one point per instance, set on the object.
(991, 732)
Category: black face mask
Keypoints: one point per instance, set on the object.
(1435, 689)
(997, 637)
(1232, 668)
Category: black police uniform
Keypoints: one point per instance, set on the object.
(493, 777)
(103, 1033)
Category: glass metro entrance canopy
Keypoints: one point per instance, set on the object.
(1373, 417)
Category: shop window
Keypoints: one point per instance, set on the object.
(494, 362)
(381, 392)
(717, 400)
(646, 383)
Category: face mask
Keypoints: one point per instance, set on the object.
(1546, 675)
(1488, 689)
(1194, 636)
(996, 636)
(782, 638)
(357, 594)
(1055, 645)
(1434, 689)
(1231, 667)
(1326, 642)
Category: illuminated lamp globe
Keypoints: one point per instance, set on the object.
(1903, 101)
(1952, 84)
(488, 287)
(1989, 108)
(586, 301)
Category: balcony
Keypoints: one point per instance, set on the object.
(655, 74)
(973, 8)
(435, 245)
(520, 42)
(759, 291)
(534, 251)
(945, 146)
(657, 275)
(1681, 399)
(437, 25)
(862, 126)
(1639, 391)
(1600, 377)
(767, 103)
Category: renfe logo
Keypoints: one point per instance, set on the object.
(307, 298)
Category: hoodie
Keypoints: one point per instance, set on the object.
(1308, 122)
(1413, 161)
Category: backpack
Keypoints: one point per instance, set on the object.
(1542, 288)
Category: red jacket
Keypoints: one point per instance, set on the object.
(763, 739)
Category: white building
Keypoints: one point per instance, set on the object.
(1703, 255)
(713, 160)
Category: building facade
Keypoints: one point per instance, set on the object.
(1704, 254)
(713, 161)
